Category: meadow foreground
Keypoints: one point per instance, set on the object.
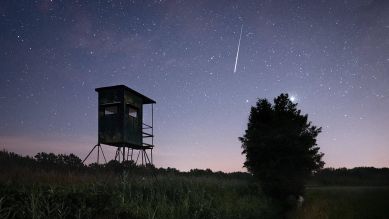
(59, 186)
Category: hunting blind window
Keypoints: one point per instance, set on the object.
(133, 112)
(110, 110)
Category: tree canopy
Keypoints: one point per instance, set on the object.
(280, 147)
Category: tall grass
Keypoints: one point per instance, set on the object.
(129, 196)
(36, 188)
(345, 202)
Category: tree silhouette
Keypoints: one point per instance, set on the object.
(50, 160)
(280, 147)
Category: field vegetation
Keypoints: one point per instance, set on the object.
(59, 186)
(340, 202)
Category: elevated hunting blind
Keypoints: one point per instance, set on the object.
(121, 124)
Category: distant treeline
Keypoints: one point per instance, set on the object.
(359, 176)
(63, 162)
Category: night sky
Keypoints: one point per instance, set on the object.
(331, 56)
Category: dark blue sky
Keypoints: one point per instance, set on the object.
(332, 56)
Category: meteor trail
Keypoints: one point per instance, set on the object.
(237, 52)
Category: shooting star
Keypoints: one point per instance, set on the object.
(237, 52)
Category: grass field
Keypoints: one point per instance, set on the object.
(64, 188)
(47, 194)
(345, 202)
(126, 196)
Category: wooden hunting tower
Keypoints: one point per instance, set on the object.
(121, 124)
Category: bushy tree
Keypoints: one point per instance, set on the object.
(280, 147)
(60, 161)
(47, 158)
(70, 161)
